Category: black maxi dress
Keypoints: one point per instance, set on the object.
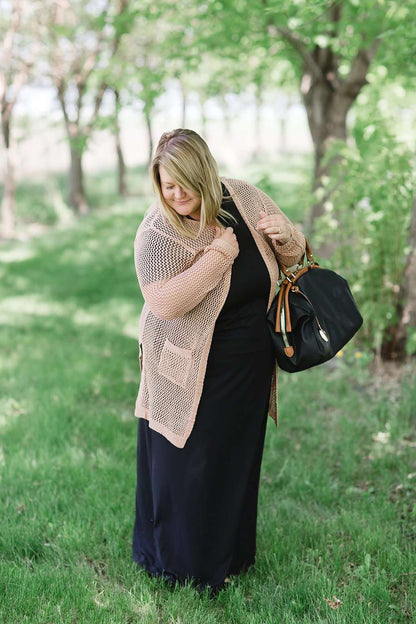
(196, 507)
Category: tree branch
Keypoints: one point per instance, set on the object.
(123, 4)
(89, 65)
(98, 99)
(18, 83)
(301, 48)
(61, 97)
(359, 67)
(8, 40)
(16, 70)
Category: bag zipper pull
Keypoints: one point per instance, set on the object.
(322, 332)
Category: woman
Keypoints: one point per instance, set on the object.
(206, 257)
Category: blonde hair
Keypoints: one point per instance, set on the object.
(187, 159)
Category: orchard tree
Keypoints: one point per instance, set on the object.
(83, 41)
(19, 33)
(136, 76)
(330, 46)
(140, 69)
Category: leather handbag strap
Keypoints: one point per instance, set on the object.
(290, 278)
(287, 310)
(307, 260)
(279, 307)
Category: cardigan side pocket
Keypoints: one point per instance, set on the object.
(175, 363)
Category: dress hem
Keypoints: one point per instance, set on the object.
(173, 578)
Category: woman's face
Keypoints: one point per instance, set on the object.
(186, 203)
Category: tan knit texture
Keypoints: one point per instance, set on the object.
(184, 283)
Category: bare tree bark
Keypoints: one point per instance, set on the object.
(121, 164)
(76, 191)
(204, 119)
(226, 113)
(14, 73)
(282, 115)
(184, 93)
(8, 204)
(148, 119)
(76, 183)
(257, 121)
(81, 67)
(327, 97)
(327, 101)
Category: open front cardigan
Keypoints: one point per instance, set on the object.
(185, 282)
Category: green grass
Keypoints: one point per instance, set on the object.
(337, 514)
(44, 200)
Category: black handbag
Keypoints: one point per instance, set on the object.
(312, 316)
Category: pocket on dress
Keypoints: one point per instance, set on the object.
(175, 363)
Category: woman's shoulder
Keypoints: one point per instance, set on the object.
(155, 227)
(246, 192)
(241, 188)
(153, 219)
(236, 185)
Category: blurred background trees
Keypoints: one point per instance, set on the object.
(19, 33)
(83, 40)
(348, 64)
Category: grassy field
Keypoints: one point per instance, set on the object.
(337, 509)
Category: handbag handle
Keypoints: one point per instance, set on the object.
(308, 259)
(283, 323)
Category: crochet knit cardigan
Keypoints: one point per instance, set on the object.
(185, 282)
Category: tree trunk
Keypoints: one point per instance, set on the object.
(121, 164)
(326, 95)
(77, 199)
(184, 93)
(76, 194)
(8, 204)
(257, 122)
(326, 110)
(327, 101)
(282, 115)
(327, 118)
(204, 119)
(226, 114)
(148, 118)
(394, 341)
(121, 168)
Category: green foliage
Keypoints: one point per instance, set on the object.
(36, 203)
(286, 180)
(79, 142)
(368, 215)
(344, 27)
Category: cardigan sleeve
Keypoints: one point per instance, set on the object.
(291, 252)
(171, 287)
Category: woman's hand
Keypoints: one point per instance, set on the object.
(227, 235)
(275, 226)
